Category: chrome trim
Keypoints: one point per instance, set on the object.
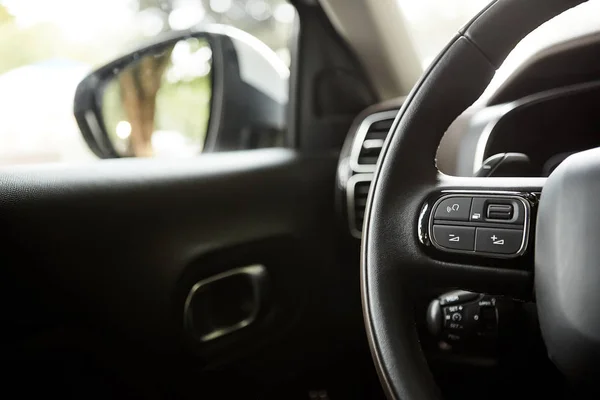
(481, 146)
(422, 232)
(487, 194)
(350, 201)
(255, 271)
(360, 136)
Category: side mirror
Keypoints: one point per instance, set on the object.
(218, 89)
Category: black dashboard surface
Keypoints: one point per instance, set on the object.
(545, 111)
(549, 126)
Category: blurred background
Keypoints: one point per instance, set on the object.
(432, 23)
(47, 47)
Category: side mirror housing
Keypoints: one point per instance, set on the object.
(215, 89)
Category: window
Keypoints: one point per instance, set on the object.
(47, 47)
(432, 23)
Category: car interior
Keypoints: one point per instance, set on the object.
(354, 226)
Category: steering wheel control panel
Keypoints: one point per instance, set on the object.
(491, 225)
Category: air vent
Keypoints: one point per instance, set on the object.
(371, 146)
(369, 140)
(358, 190)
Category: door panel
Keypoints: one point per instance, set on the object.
(117, 245)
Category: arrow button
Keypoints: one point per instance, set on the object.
(454, 237)
(500, 241)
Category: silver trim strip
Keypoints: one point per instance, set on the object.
(350, 201)
(482, 142)
(490, 194)
(359, 139)
(255, 271)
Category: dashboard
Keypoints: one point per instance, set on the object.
(546, 127)
(547, 110)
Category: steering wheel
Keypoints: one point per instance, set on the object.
(399, 257)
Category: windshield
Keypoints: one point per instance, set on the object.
(432, 23)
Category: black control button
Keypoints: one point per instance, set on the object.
(489, 318)
(469, 325)
(500, 211)
(457, 296)
(497, 209)
(454, 237)
(454, 209)
(500, 241)
(454, 309)
(453, 317)
(456, 326)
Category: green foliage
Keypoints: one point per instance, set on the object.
(5, 16)
(184, 107)
(19, 47)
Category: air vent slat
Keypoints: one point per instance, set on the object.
(372, 152)
(366, 150)
(358, 205)
(362, 188)
(383, 125)
(376, 135)
(372, 142)
(368, 160)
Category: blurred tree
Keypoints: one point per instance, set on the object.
(19, 47)
(30, 43)
(5, 16)
(139, 85)
(165, 7)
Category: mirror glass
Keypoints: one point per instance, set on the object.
(159, 105)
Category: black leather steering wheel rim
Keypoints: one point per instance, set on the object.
(393, 263)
